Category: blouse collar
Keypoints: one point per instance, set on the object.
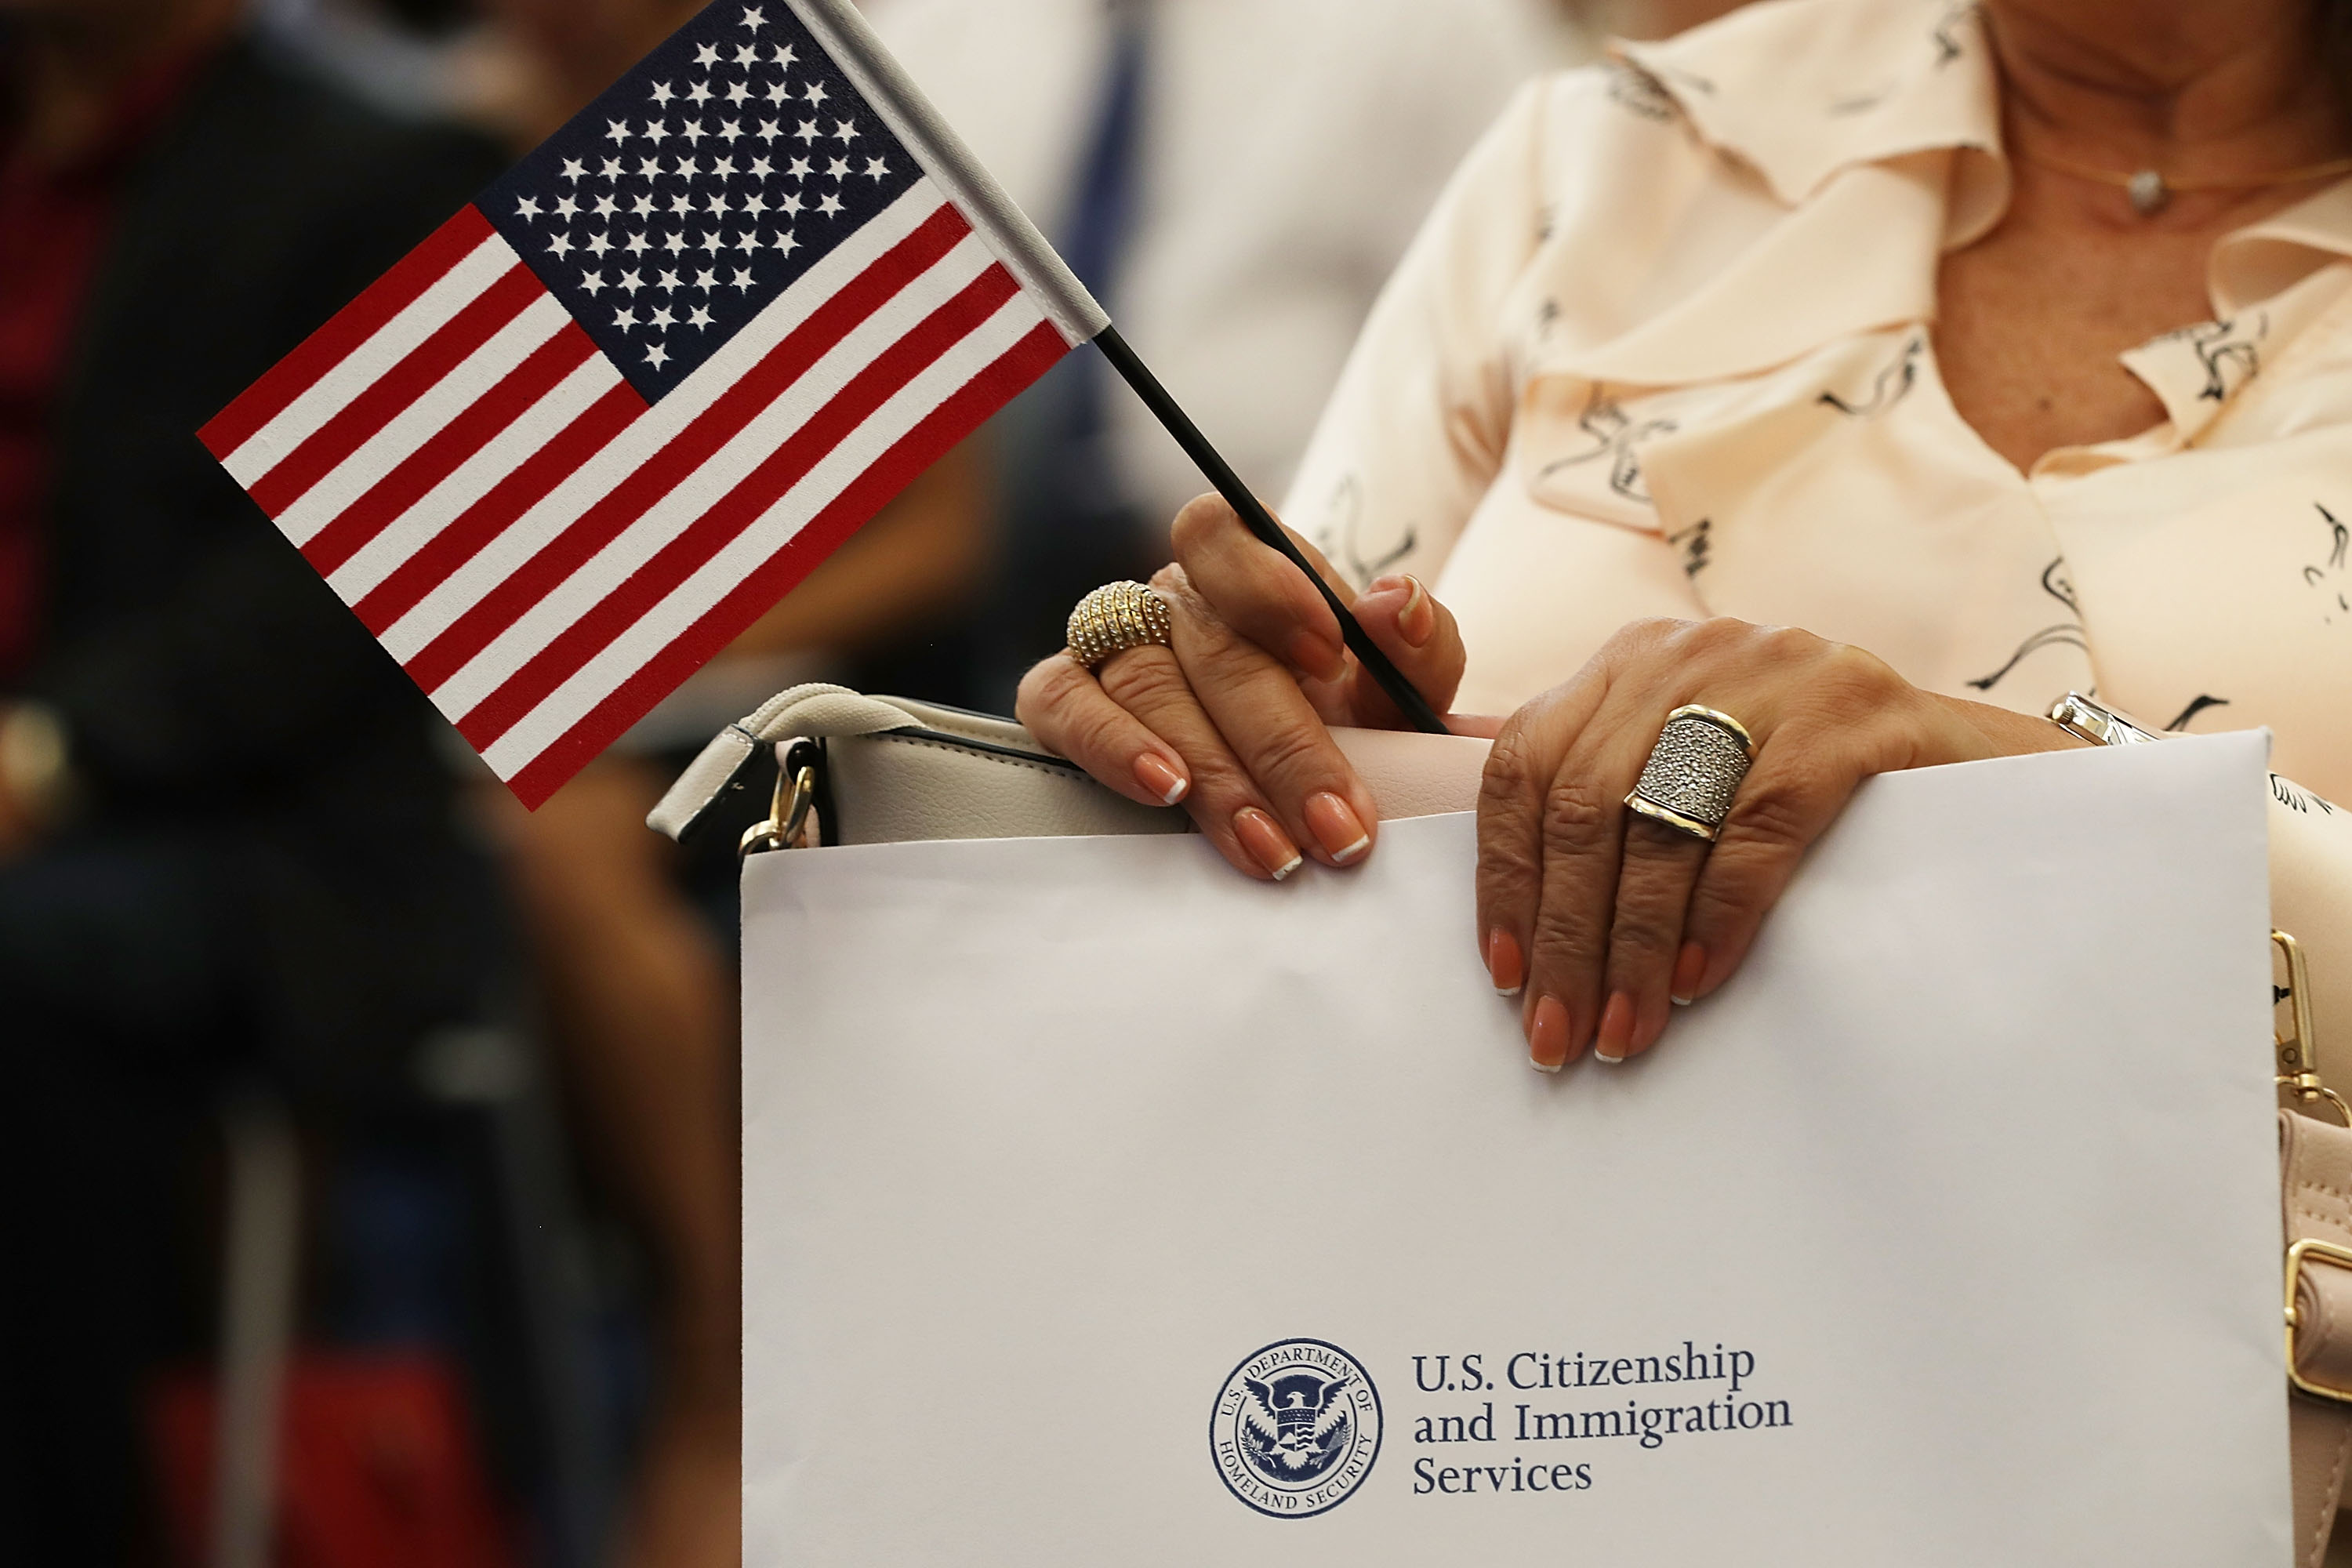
(1801, 89)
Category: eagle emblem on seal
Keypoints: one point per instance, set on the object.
(1295, 1427)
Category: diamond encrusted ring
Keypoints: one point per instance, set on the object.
(1694, 770)
(1114, 618)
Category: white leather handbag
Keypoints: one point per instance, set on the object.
(855, 769)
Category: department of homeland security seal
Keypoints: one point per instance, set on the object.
(1296, 1429)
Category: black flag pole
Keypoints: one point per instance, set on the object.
(1261, 522)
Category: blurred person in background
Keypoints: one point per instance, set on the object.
(631, 940)
(637, 984)
(227, 841)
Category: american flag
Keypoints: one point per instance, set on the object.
(609, 414)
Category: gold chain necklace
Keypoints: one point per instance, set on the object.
(2151, 192)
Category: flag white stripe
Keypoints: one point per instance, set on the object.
(602, 574)
(357, 370)
(629, 451)
(677, 613)
(432, 413)
(474, 478)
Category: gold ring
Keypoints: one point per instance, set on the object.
(1694, 770)
(1114, 618)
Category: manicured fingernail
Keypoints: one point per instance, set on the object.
(1318, 656)
(1505, 962)
(1418, 619)
(1336, 827)
(1160, 779)
(1616, 1037)
(1690, 968)
(1268, 844)
(1548, 1036)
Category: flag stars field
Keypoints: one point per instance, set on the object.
(684, 187)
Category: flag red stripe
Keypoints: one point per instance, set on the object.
(454, 442)
(916, 451)
(595, 428)
(732, 513)
(391, 395)
(349, 328)
(665, 469)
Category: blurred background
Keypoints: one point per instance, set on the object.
(369, 1161)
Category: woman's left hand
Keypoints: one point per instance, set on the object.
(1605, 917)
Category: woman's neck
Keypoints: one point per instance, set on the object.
(2194, 89)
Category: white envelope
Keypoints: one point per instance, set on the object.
(1101, 1206)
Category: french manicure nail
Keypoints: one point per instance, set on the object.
(1268, 844)
(1690, 968)
(1336, 827)
(1160, 779)
(1504, 963)
(1616, 1035)
(1548, 1036)
(1418, 619)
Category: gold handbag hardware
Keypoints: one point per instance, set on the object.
(2297, 1255)
(2298, 1064)
(795, 794)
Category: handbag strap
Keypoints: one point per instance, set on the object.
(815, 711)
(2316, 1179)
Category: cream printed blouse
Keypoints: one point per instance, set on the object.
(1666, 347)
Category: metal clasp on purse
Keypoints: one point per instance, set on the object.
(787, 824)
(2298, 1063)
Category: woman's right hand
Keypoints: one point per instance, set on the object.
(1233, 719)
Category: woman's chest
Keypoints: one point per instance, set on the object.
(2030, 329)
(2195, 576)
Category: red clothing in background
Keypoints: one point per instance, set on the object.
(53, 224)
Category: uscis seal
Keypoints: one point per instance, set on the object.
(1296, 1429)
